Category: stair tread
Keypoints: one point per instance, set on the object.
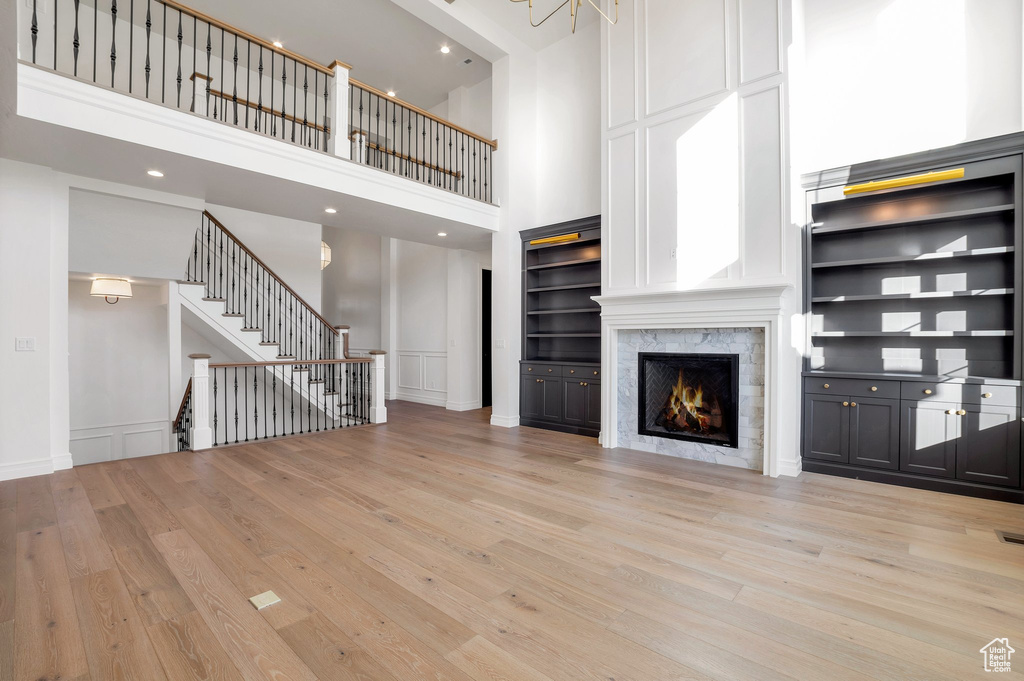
(255, 328)
(191, 283)
(215, 300)
(232, 314)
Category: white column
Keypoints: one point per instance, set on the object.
(338, 144)
(341, 345)
(202, 434)
(378, 412)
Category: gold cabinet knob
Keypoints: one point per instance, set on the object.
(825, 386)
(540, 380)
(550, 370)
(529, 368)
(874, 388)
(927, 391)
(572, 371)
(595, 373)
(846, 404)
(950, 412)
(962, 412)
(853, 404)
(986, 394)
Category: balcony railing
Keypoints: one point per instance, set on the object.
(170, 54)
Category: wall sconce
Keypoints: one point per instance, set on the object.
(325, 255)
(108, 288)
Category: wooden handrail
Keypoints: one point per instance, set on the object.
(181, 409)
(270, 272)
(294, 362)
(369, 88)
(253, 105)
(404, 157)
(249, 36)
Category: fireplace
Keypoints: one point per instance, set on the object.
(692, 397)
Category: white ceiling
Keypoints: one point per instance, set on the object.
(387, 47)
(515, 18)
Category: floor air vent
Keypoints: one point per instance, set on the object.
(1010, 537)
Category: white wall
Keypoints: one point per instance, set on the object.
(569, 127)
(420, 366)
(352, 285)
(881, 78)
(33, 273)
(118, 374)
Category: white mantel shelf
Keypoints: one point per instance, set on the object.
(747, 306)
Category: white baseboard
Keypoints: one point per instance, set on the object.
(419, 398)
(505, 421)
(62, 463)
(790, 468)
(462, 406)
(26, 469)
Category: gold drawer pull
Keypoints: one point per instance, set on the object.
(874, 388)
(927, 391)
(846, 404)
(853, 404)
(540, 380)
(962, 412)
(825, 386)
(986, 395)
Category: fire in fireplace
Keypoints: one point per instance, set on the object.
(689, 397)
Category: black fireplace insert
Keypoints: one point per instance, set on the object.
(691, 397)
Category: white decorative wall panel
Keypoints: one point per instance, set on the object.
(622, 67)
(119, 441)
(687, 56)
(620, 212)
(759, 39)
(410, 372)
(763, 242)
(423, 376)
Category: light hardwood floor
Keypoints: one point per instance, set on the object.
(438, 547)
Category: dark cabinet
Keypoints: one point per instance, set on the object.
(928, 441)
(540, 398)
(826, 428)
(875, 432)
(582, 403)
(989, 447)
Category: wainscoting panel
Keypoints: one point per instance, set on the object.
(763, 200)
(119, 441)
(621, 66)
(620, 255)
(759, 39)
(423, 376)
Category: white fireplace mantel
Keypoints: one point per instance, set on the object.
(750, 306)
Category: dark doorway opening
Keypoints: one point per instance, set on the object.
(485, 338)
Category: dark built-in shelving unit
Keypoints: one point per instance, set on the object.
(914, 305)
(561, 388)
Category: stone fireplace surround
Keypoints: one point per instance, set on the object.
(751, 321)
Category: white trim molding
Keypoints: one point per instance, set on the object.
(750, 306)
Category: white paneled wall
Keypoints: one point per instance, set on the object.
(694, 157)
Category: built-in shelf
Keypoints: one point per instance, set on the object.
(911, 376)
(563, 335)
(923, 295)
(944, 255)
(985, 333)
(917, 219)
(577, 310)
(567, 263)
(567, 287)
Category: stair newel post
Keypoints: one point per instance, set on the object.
(336, 124)
(378, 412)
(202, 434)
(337, 375)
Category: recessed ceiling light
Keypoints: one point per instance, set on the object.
(442, 233)
(154, 173)
(391, 93)
(332, 211)
(277, 43)
(445, 49)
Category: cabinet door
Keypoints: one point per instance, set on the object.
(531, 397)
(928, 438)
(875, 432)
(827, 428)
(593, 405)
(552, 389)
(989, 446)
(574, 403)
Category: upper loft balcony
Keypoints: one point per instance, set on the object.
(158, 74)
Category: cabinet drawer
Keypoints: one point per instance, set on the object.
(581, 372)
(852, 387)
(997, 395)
(541, 369)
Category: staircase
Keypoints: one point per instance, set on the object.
(297, 360)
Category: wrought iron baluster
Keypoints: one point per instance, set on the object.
(131, 44)
(248, 79)
(273, 121)
(234, 83)
(195, 66)
(163, 61)
(35, 29)
(113, 40)
(259, 94)
(236, 405)
(181, 37)
(215, 406)
(149, 31)
(75, 43)
(284, 93)
(327, 127)
(295, 95)
(305, 104)
(209, 56)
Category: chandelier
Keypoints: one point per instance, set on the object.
(574, 9)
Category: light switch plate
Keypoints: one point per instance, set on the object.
(24, 344)
(264, 600)
(499, 344)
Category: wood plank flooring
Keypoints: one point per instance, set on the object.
(439, 547)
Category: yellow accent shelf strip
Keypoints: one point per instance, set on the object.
(561, 238)
(904, 181)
